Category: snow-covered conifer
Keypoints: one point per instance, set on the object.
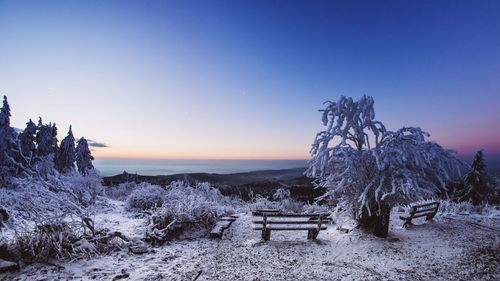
(46, 139)
(65, 156)
(27, 141)
(83, 157)
(475, 182)
(8, 144)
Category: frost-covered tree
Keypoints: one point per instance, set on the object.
(65, 157)
(46, 139)
(475, 182)
(281, 194)
(367, 169)
(8, 144)
(83, 157)
(27, 142)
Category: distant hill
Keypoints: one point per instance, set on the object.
(240, 184)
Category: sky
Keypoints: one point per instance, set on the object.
(245, 79)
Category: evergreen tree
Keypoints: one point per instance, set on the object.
(65, 157)
(475, 182)
(83, 157)
(7, 143)
(46, 139)
(5, 114)
(27, 141)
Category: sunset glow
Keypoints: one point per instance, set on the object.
(245, 79)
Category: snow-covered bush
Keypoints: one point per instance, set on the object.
(84, 188)
(450, 207)
(260, 202)
(121, 191)
(315, 208)
(369, 169)
(282, 201)
(146, 196)
(285, 203)
(189, 209)
(49, 241)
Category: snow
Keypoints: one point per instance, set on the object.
(451, 247)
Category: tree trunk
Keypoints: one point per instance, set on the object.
(377, 223)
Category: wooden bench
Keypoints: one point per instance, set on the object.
(313, 223)
(427, 210)
(223, 224)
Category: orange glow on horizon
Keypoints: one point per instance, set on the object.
(119, 154)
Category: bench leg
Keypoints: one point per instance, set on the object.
(267, 235)
(430, 217)
(312, 234)
(407, 224)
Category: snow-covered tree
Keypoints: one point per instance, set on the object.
(475, 182)
(281, 194)
(46, 139)
(368, 169)
(27, 141)
(65, 157)
(8, 144)
(83, 157)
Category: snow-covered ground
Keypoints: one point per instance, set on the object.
(452, 247)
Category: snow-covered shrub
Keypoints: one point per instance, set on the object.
(121, 191)
(315, 208)
(450, 207)
(260, 202)
(187, 208)
(49, 241)
(281, 194)
(146, 196)
(85, 188)
(282, 201)
(60, 239)
(45, 168)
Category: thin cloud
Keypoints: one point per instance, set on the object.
(93, 143)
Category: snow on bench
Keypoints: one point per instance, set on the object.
(223, 224)
(313, 223)
(428, 211)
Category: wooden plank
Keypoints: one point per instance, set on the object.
(430, 211)
(420, 215)
(289, 222)
(216, 232)
(428, 204)
(227, 219)
(296, 215)
(224, 224)
(274, 228)
(267, 210)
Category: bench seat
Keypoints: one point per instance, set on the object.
(291, 222)
(272, 221)
(323, 227)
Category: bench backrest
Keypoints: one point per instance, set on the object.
(281, 215)
(424, 208)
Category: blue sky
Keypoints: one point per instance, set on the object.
(244, 79)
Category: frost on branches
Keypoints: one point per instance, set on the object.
(83, 157)
(368, 169)
(45, 199)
